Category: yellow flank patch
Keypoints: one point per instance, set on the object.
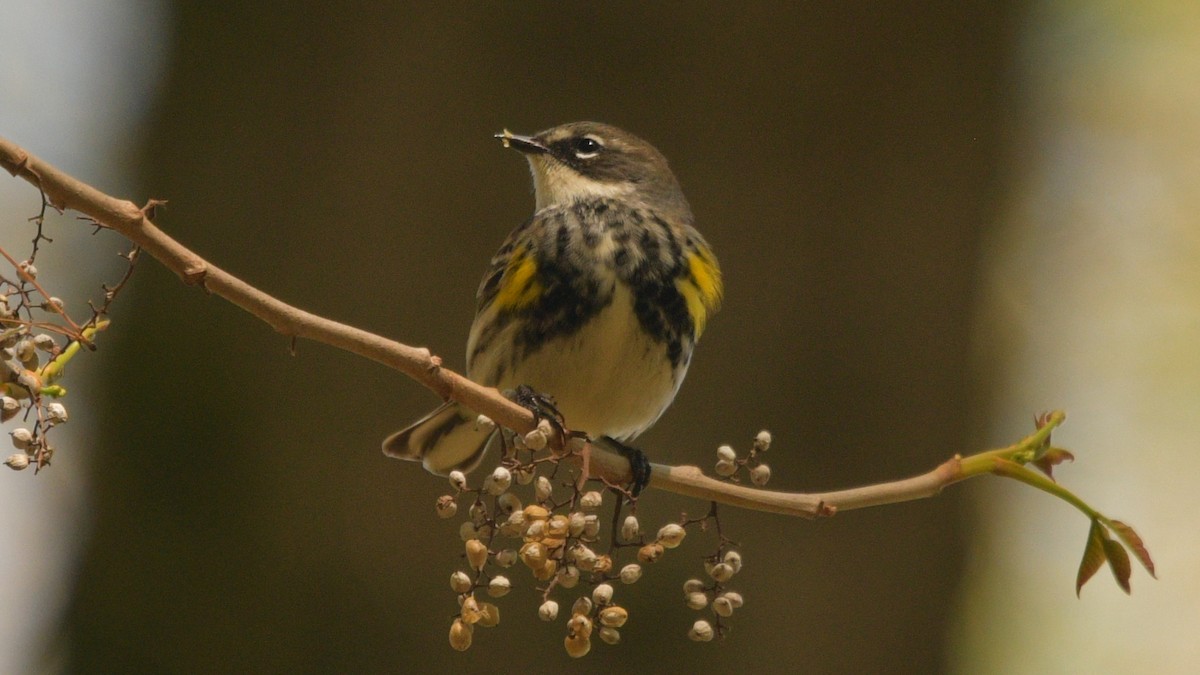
(701, 288)
(519, 287)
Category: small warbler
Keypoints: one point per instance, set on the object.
(596, 301)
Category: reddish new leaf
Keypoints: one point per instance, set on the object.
(1118, 560)
(1134, 542)
(1093, 555)
(1052, 458)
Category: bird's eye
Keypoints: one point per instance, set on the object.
(587, 147)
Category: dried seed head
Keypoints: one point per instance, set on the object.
(735, 599)
(446, 506)
(460, 635)
(460, 582)
(535, 512)
(726, 453)
(548, 611)
(584, 557)
(515, 525)
(734, 560)
(534, 555)
(604, 564)
(671, 535)
(458, 480)
(499, 586)
(557, 526)
(602, 594)
(580, 624)
(576, 522)
(470, 612)
(692, 586)
(702, 631)
(760, 474)
(762, 442)
(535, 530)
(477, 554)
(631, 573)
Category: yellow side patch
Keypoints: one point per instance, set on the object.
(701, 288)
(519, 287)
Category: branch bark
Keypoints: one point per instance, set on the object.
(66, 192)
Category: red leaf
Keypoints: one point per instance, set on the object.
(1093, 555)
(1118, 560)
(1134, 542)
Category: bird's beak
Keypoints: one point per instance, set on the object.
(526, 144)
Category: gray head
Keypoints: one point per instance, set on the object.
(583, 160)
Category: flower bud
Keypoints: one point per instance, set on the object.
(17, 461)
(760, 474)
(614, 616)
(577, 646)
(735, 599)
(477, 554)
(460, 635)
(734, 560)
(535, 512)
(568, 577)
(458, 480)
(692, 586)
(470, 612)
(446, 506)
(536, 440)
(630, 529)
(460, 582)
(584, 557)
(726, 453)
(506, 558)
(21, 438)
(524, 473)
(580, 624)
(583, 605)
(650, 553)
(484, 423)
(45, 342)
(696, 600)
(702, 631)
(604, 564)
(671, 535)
(721, 572)
(498, 481)
(515, 525)
(499, 586)
(590, 501)
(722, 606)
(762, 442)
(548, 611)
(609, 636)
(509, 503)
(29, 268)
(725, 468)
(591, 525)
(489, 615)
(602, 594)
(9, 407)
(576, 522)
(542, 489)
(631, 573)
(534, 555)
(557, 526)
(547, 571)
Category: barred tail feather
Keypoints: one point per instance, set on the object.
(444, 440)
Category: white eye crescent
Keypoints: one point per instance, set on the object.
(587, 147)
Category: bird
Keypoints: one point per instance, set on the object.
(595, 302)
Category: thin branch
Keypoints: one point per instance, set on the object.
(63, 191)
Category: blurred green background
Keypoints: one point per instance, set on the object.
(847, 161)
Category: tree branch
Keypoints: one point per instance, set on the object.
(66, 192)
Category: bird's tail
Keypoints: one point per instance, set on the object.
(444, 440)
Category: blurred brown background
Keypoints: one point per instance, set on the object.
(843, 160)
